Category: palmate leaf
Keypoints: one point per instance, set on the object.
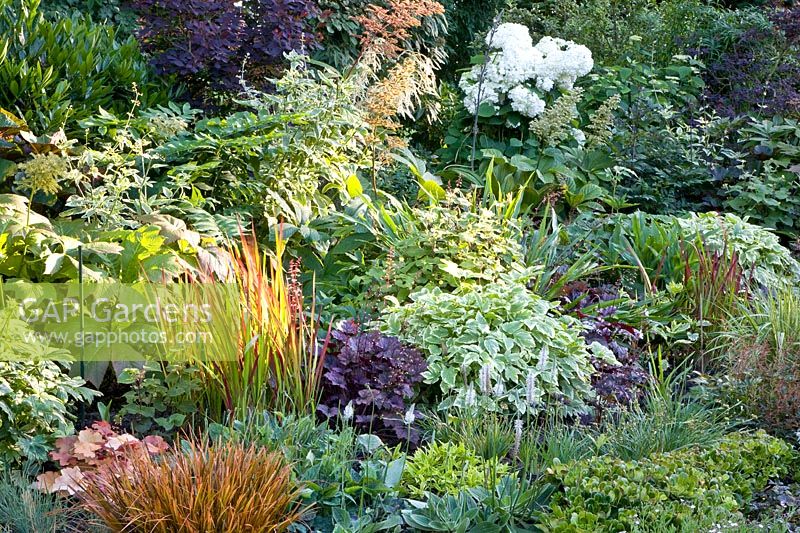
(171, 228)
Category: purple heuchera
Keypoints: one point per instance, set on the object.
(375, 372)
(613, 384)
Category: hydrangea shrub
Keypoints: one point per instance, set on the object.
(523, 98)
(520, 72)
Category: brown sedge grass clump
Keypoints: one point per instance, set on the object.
(224, 488)
(762, 350)
(770, 386)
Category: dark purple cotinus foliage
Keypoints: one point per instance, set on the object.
(758, 73)
(375, 372)
(199, 40)
(209, 43)
(621, 384)
(278, 26)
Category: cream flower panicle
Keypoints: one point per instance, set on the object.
(43, 172)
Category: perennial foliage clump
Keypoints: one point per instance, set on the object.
(447, 245)
(533, 357)
(35, 395)
(447, 468)
(373, 375)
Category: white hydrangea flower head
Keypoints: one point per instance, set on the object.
(545, 84)
(509, 36)
(526, 102)
(516, 63)
(489, 91)
(562, 64)
(551, 45)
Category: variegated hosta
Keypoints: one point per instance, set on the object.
(526, 356)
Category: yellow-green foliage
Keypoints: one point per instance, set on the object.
(445, 246)
(448, 468)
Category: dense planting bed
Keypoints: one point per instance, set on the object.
(399, 265)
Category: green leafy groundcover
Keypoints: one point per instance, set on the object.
(608, 494)
(35, 394)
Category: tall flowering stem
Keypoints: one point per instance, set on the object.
(484, 67)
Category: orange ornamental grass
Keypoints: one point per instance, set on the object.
(265, 351)
(202, 488)
(280, 357)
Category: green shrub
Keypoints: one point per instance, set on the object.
(35, 393)
(445, 245)
(609, 494)
(298, 150)
(162, 397)
(768, 189)
(448, 468)
(58, 72)
(719, 520)
(671, 152)
(114, 12)
(508, 330)
(615, 29)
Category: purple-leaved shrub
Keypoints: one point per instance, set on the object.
(209, 44)
(758, 73)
